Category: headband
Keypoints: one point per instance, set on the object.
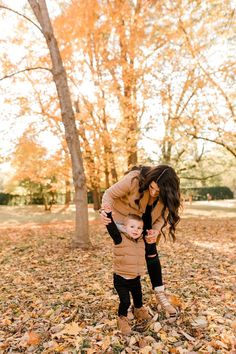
(162, 174)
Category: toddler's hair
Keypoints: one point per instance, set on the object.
(133, 217)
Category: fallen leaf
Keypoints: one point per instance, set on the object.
(199, 322)
(145, 350)
(233, 325)
(176, 301)
(30, 338)
(157, 327)
(187, 336)
(71, 329)
(132, 341)
(142, 343)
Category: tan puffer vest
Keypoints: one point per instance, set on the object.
(129, 257)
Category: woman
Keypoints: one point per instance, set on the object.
(154, 194)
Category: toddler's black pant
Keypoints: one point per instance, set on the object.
(124, 287)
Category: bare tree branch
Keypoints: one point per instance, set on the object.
(215, 83)
(18, 13)
(203, 178)
(24, 70)
(221, 143)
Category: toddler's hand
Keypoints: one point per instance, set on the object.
(107, 208)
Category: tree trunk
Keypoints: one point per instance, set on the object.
(129, 104)
(68, 193)
(81, 236)
(94, 177)
(109, 156)
(96, 199)
(106, 172)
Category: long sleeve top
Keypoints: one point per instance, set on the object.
(122, 197)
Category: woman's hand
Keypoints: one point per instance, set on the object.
(151, 236)
(103, 214)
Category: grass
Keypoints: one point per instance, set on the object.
(35, 214)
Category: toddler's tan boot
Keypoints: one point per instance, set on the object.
(123, 325)
(141, 314)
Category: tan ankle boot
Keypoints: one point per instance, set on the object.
(123, 325)
(166, 305)
(141, 314)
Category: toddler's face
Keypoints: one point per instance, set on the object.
(134, 228)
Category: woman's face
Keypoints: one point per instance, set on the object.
(154, 190)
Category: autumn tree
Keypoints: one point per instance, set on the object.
(34, 171)
(47, 110)
(111, 35)
(193, 92)
(40, 11)
(205, 38)
(149, 75)
(39, 8)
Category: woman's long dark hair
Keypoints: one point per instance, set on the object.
(168, 182)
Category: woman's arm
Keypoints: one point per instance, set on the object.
(120, 189)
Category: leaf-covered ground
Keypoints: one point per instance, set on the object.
(58, 300)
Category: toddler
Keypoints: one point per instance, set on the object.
(128, 265)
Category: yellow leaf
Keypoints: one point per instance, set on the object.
(172, 339)
(72, 329)
(173, 351)
(146, 350)
(30, 338)
(175, 301)
(67, 296)
(106, 343)
(33, 339)
(49, 313)
(233, 325)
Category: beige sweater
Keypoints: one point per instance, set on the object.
(121, 197)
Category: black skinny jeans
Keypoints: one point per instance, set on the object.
(153, 265)
(124, 287)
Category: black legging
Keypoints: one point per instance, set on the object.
(153, 265)
(123, 288)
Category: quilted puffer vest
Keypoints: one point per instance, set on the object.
(129, 257)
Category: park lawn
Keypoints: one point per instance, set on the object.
(35, 214)
(55, 299)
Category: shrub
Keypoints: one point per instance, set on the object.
(200, 193)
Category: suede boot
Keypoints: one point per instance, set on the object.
(165, 304)
(141, 314)
(123, 325)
